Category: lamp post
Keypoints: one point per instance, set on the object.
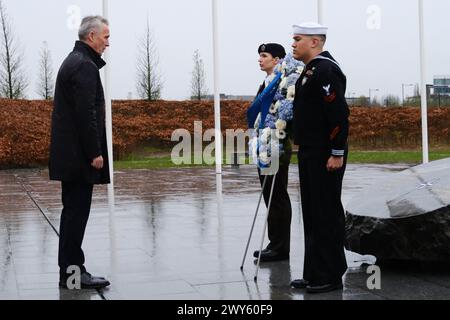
(370, 95)
(403, 91)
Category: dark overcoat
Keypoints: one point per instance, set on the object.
(78, 133)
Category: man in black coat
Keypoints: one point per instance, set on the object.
(321, 129)
(78, 150)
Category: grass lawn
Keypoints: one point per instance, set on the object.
(413, 157)
(149, 163)
(157, 158)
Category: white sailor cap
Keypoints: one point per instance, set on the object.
(310, 28)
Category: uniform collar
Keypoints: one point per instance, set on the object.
(325, 55)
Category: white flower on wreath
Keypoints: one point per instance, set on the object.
(264, 158)
(274, 107)
(284, 83)
(291, 93)
(281, 134)
(265, 135)
(280, 124)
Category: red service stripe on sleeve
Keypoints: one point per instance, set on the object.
(334, 133)
(331, 97)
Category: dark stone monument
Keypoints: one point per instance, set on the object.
(404, 218)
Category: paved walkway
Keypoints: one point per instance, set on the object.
(172, 238)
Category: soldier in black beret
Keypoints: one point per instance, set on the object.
(274, 49)
(280, 213)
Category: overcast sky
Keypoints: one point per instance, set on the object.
(376, 42)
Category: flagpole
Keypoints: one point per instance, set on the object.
(108, 106)
(218, 131)
(423, 91)
(320, 11)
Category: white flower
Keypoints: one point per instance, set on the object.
(264, 158)
(283, 83)
(278, 105)
(281, 134)
(291, 93)
(274, 107)
(265, 135)
(280, 124)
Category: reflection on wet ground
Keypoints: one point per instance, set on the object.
(172, 237)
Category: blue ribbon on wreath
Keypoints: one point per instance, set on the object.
(262, 103)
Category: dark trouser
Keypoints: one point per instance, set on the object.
(280, 213)
(76, 198)
(323, 217)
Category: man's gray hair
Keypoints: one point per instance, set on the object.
(91, 23)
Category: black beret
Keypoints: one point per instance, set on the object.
(275, 49)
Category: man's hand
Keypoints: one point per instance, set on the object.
(335, 163)
(97, 163)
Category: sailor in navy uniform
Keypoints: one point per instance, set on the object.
(320, 130)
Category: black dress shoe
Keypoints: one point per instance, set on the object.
(325, 287)
(87, 281)
(271, 255)
(256, 253)
(299, 283)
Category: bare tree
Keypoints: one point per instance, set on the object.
(149, 84)
(198, 86)
(12, 78)
(45, 86)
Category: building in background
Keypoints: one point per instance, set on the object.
(438, 93)
(441, 85)
(231, 97)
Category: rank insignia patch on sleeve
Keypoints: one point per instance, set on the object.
(330, 98)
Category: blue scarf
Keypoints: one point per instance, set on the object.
(262, 103)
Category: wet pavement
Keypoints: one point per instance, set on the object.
(175, 235)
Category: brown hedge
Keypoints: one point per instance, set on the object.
(25, 126)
